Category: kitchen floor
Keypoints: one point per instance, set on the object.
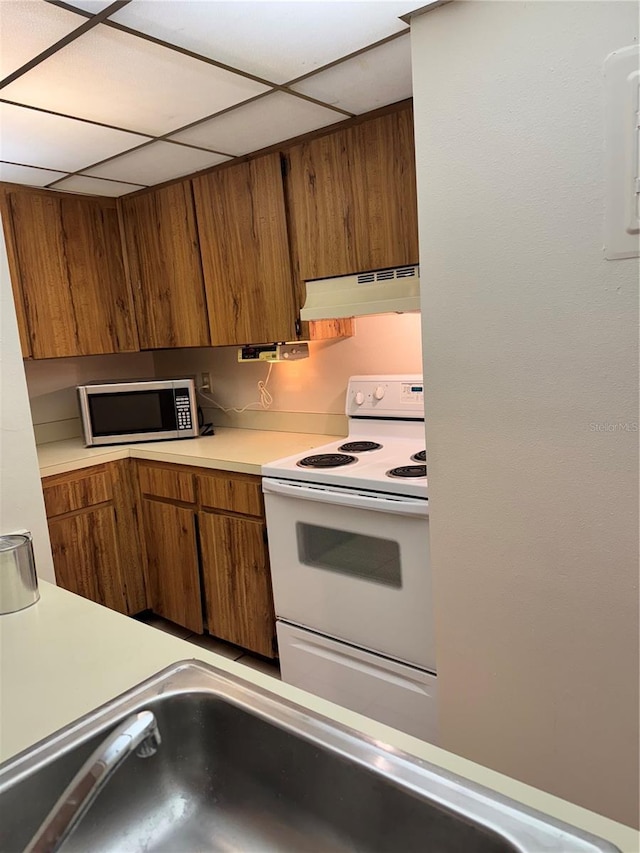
(211, 644)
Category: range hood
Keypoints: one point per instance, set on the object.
(376, 292)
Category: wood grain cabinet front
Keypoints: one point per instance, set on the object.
(237, 581)
(66, 254)
(173, 574)
(207, 557)
(163, 256)
(95, 538)
(245, 253)
(352, 198)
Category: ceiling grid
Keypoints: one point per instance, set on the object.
(144, 91)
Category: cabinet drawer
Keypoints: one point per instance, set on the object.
(170, 482)
(232, 492)
(76, 491)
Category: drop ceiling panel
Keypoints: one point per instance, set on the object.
(93, 6)
(55, 142)
(28, 28)
(157, 162)
(119, 79)
(372, 79)
(261, 123)
(94, 186)
(278, 40)
(27, 175)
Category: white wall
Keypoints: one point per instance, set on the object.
(52, 388)
(21, 501)
(530, 343)
(388, 343)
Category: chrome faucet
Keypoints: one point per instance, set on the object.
(138, 733)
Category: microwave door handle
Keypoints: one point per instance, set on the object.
(397, 506)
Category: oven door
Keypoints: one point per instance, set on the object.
(354, 566)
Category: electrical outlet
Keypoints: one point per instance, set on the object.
(205, 382)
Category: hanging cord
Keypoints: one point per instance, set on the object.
(264, 402)
(205, 428)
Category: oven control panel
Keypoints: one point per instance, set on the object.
(412, 392)
(388, 396)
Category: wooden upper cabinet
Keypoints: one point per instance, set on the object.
(352, 199)
(161, 243)
(245, 253)
(14, 272)
(67, 255)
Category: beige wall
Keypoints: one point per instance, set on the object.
(308, 395)
(52, 388)
(530, 344)
(21, 501)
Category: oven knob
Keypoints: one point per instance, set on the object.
(359, 398)
(379, 392)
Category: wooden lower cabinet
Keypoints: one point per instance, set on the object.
(237, 582)
(186, 543)
(85, 555)
(95, 538)
(173, 576)
(207, 557)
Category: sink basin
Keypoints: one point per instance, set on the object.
(240, 769)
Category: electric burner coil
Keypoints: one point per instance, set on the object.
(359, 446)
(408, 472)
(326, 460)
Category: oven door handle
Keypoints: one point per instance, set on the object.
(382, 503)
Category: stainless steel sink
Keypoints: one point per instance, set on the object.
(240, 769)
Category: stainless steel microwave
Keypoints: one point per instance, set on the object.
(141, 410)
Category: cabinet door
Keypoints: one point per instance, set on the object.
(14, 272)
(173, 579)
(85, 556)
(352, 199)
(161, 244)
(75, 294)
(237, 581)
(109, 491)
(130, 543)
(245, 253)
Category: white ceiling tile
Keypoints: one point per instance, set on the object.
(93, 6)
(27, 28)
(54, 142)
(28, 175)
(94, 186)
(373, 79)
(263, 122)
(119, 79)
(157, 162)
(274, 40)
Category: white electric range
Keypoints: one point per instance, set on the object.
(349, 548)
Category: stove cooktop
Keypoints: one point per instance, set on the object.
(384, 451)
(373, 463)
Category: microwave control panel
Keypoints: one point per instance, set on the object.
(183, 409)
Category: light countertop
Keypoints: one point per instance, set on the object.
(65, 655)
(240, 450)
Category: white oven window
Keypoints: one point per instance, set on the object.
(354, 554)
